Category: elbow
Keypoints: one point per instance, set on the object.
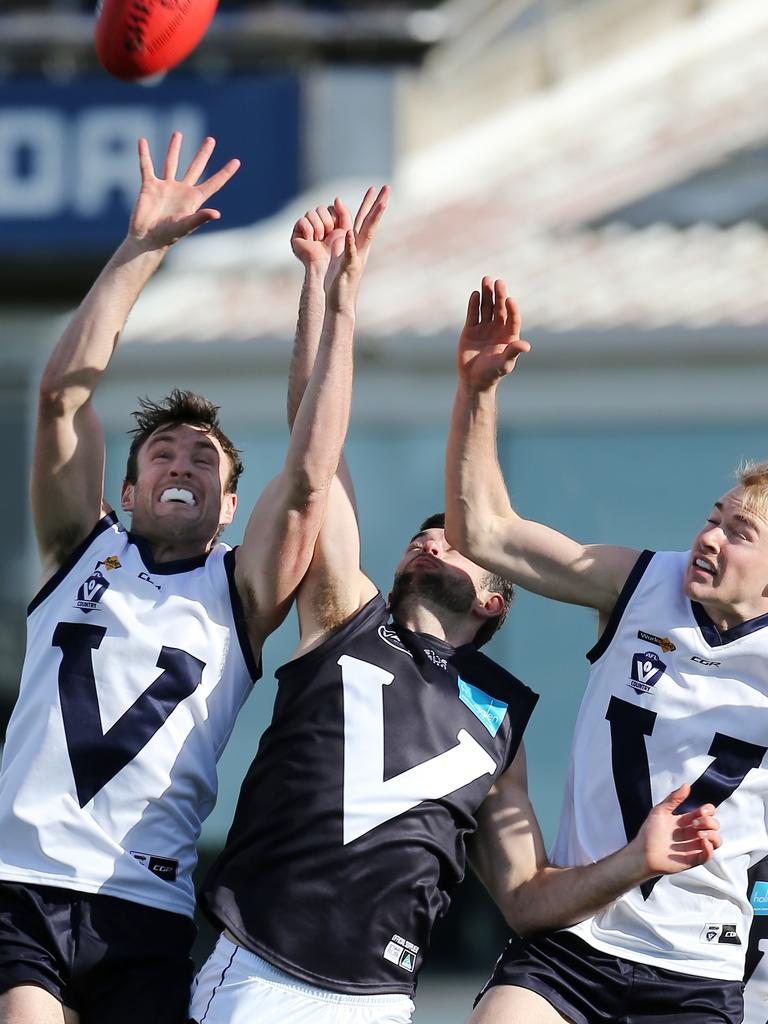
(462, 527)
(469, 535)
(60, 397)
(516, 909)
(54, 399)
(308, 490)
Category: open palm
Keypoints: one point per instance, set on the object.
(167, 209)
(490, 341)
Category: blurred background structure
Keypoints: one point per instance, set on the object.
(608, 158)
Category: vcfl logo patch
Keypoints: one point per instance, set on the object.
(91, 592)
(647, 669)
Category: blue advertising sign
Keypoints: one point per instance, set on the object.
(68, 165)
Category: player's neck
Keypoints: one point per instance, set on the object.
(421, 617)
(174, 549)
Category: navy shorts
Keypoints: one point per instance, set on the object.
(587, 986)
(108, 959)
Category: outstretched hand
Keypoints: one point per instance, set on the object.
(669, 842)
(349, 248)
(167, 209)
(320, 232)
(490, 341)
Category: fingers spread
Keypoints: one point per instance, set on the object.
(214, 183)
(145, 161)
(364, 208)
(171, 164)
(473, 310)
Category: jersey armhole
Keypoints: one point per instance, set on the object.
(627, 591)
(107, 521)
(238, 615)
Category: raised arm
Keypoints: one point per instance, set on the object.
(508, 855)
(479, 519)
(68, 466)
(282, 532)
(334, 586)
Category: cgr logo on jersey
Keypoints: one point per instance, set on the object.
(163, 867)
(91, 591)
(389, 636)
(661, 641)
(647, 669)
(720, 933)
(759, 898)
(401, 952)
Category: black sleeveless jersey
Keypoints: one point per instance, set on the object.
(350, 829)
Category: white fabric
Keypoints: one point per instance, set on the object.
(154, 805)
(726, 692)
(236, 986)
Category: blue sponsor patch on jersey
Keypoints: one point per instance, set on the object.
(489, 710)
(759, 898)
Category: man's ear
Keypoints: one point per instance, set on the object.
(126, 497)
(491, 608)
(228, 506)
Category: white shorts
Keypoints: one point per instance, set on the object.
(235, 986)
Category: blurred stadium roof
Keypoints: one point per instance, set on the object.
(557, 193)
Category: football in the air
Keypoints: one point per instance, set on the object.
(139, 38)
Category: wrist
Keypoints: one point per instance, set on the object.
(134, 248)
(315, 270)
(632, 863)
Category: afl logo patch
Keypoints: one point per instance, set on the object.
(91, 591)
(647, 669)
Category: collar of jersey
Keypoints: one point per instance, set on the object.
(179, 565)
(716, 637)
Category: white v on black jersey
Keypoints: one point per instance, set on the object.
(670, 700)
(350, 830)
(133, 677)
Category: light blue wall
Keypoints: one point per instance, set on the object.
(641, 487)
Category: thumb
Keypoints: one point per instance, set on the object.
(675, 798)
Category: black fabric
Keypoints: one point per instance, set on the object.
(107, 958)
(286, 885)
(587, 986)
(758, 893)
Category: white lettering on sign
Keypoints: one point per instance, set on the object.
(55, 163)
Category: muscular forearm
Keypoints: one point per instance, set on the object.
(88, 343)
(321, 420)
(559, 897)
(309, 328)
(475, 489)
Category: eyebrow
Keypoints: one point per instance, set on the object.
(750, 521)
(202, 442)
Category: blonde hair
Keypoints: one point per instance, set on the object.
(753, 477)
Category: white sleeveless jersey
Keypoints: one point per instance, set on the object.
(133, 677)
(671, 700)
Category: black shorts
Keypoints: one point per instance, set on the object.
(109, 959)
(587, 986)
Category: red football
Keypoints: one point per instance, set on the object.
(139, 38)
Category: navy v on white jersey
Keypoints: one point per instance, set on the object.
(672, 699)
(133, 677)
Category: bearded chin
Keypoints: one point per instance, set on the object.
(454, 595)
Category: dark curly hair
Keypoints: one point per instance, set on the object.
(491, 581)
(180, 407)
